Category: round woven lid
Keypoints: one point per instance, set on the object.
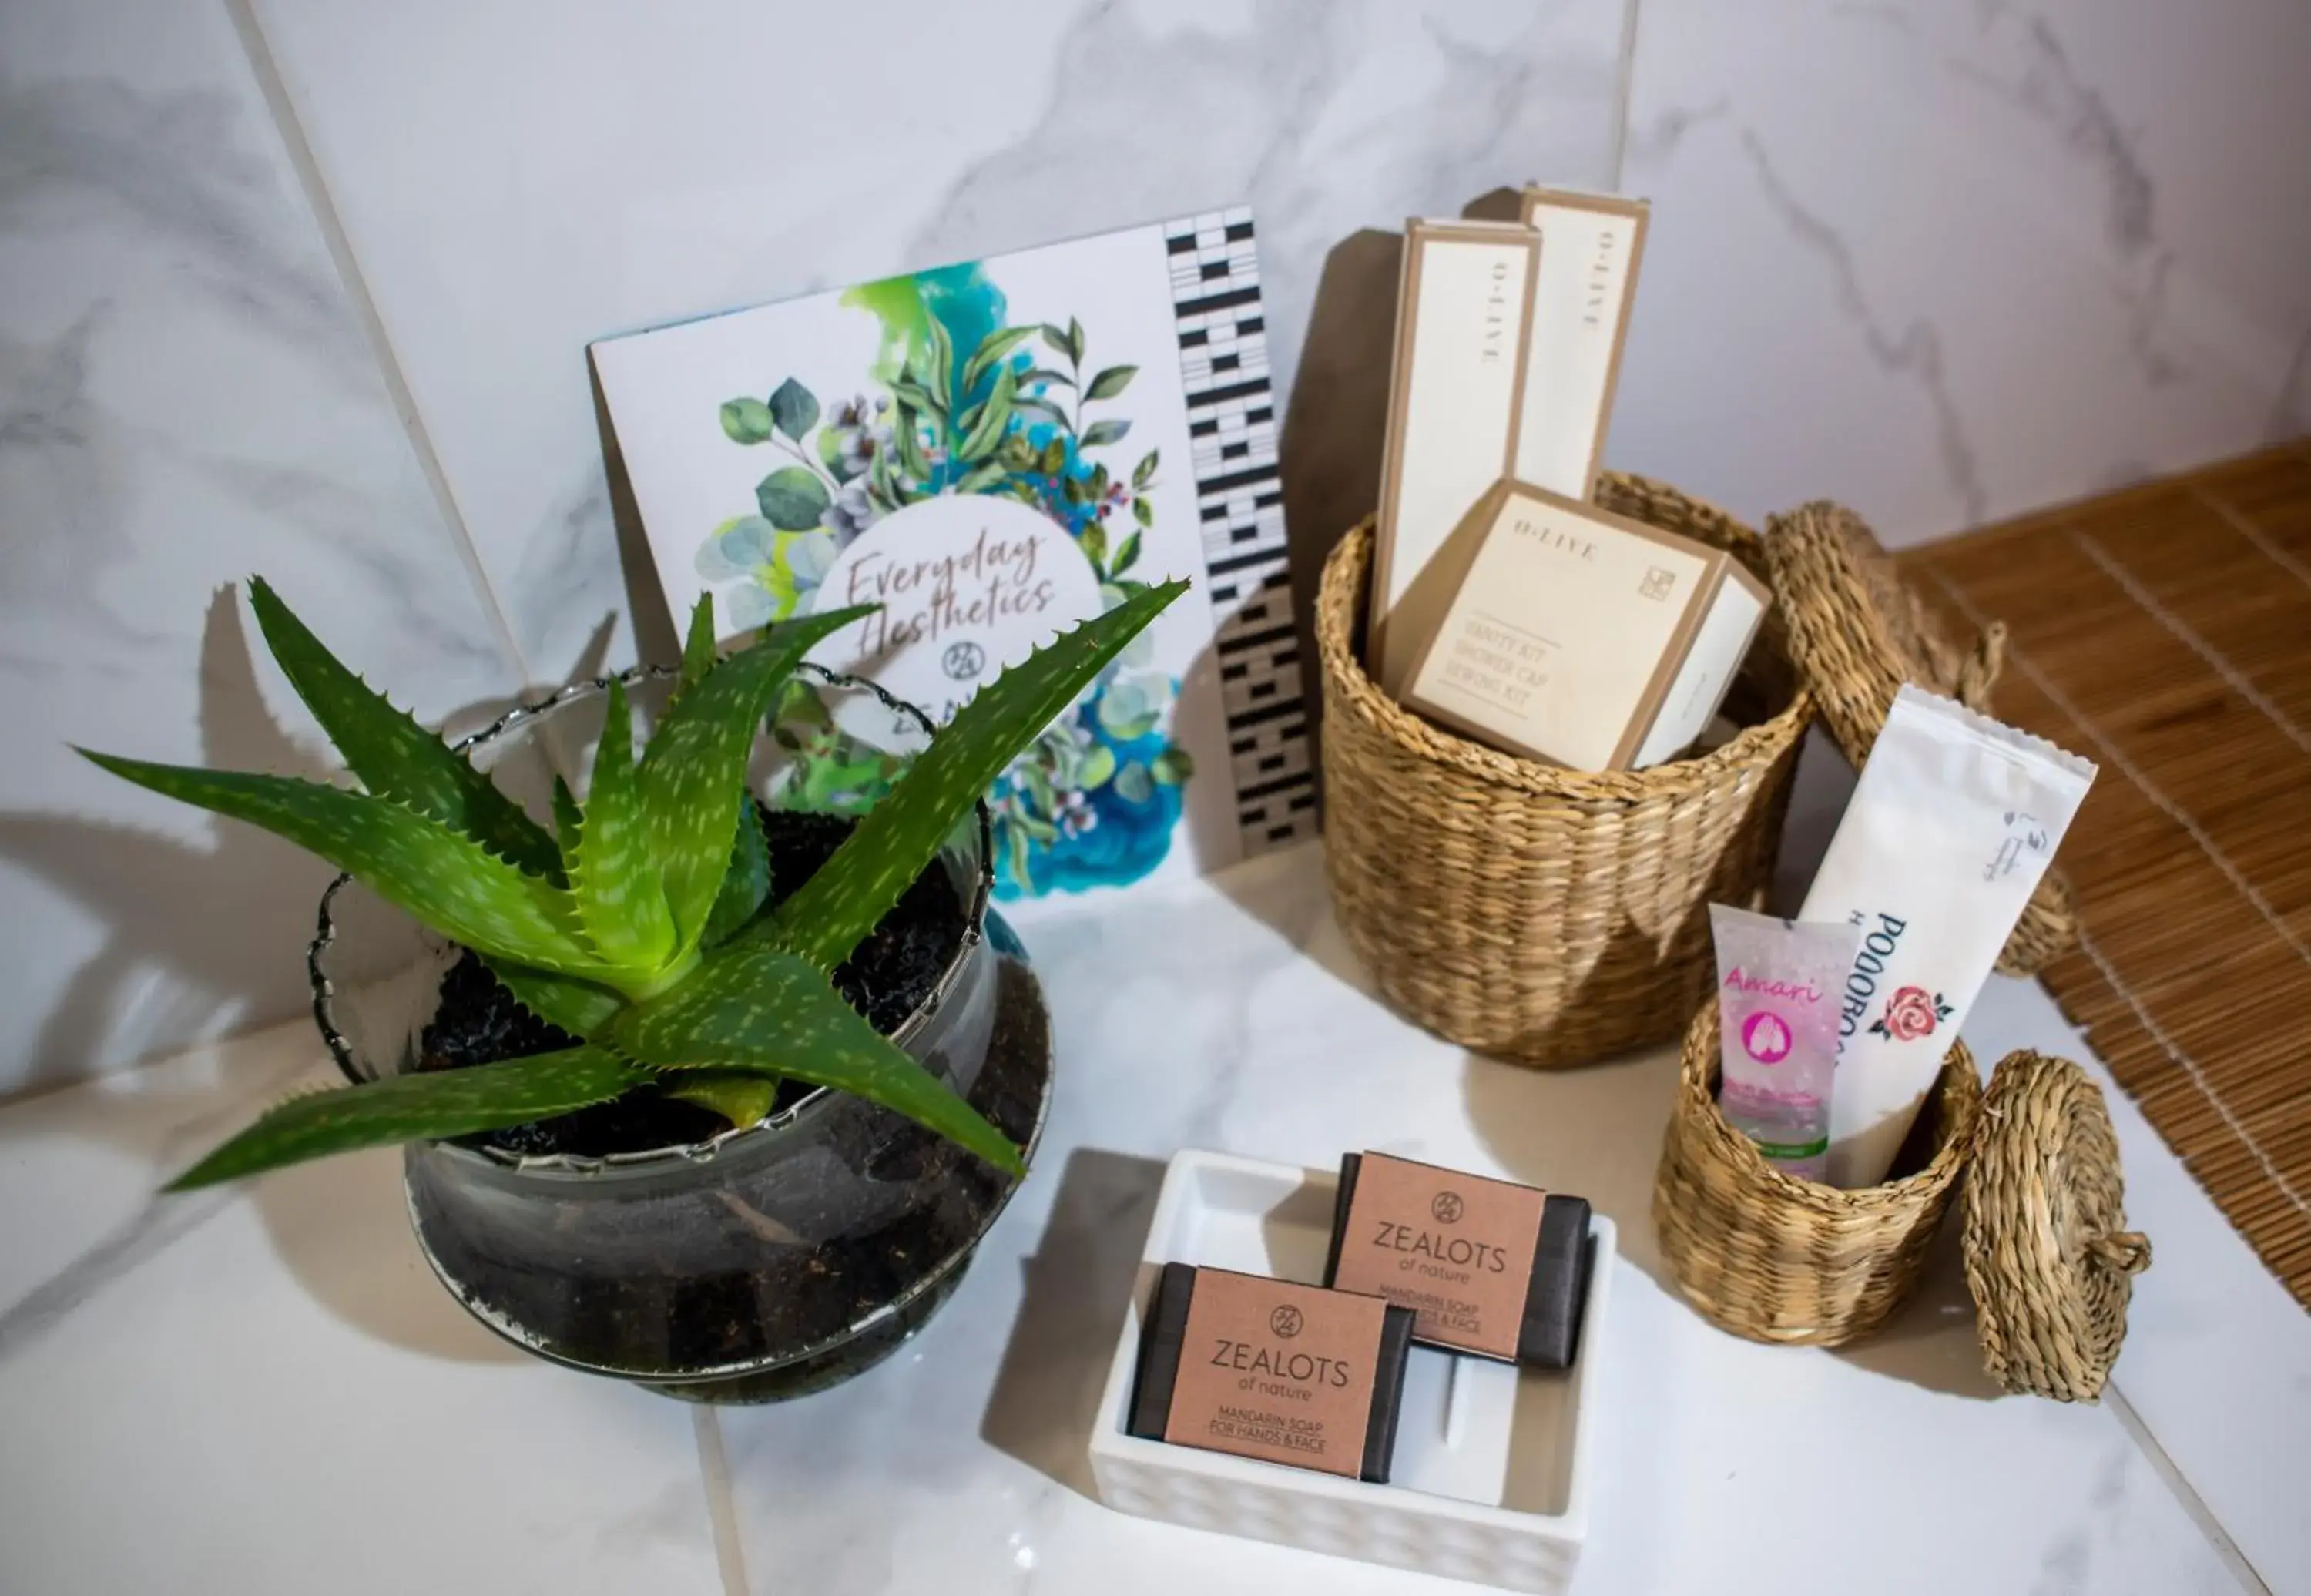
(1857, 631)
(2048, 1256)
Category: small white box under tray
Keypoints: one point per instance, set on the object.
(1490, 1481)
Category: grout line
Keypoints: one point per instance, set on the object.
(2198, 645)
(2187, 1494)
(1624, 88)
(161, 1223)
(714, 1473)
(2131, 771)
(317, 198)
(2254, 535)
(2190, 1069)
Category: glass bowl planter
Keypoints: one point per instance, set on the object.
(767, 1261)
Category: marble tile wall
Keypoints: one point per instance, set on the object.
(1948, 260)
(189, 393)
(1943, 260)
(515, 188)
(187, 396)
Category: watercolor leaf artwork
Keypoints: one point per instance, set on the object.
(960, 402)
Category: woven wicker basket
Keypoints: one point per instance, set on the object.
(1781, 1259)
(1547, 916)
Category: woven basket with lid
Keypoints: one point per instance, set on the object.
(1777, 1259)
(2048, 1259)
(1547, 916)
(1857, 632)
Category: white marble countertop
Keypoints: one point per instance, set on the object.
(263, 1389)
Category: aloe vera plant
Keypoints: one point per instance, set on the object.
(637, 922)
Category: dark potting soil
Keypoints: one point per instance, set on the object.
(895, 969)
(479, 1023)
(796, 1304)
(901, 961)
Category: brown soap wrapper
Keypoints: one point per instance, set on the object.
(1489, 1266)
(1273, 1370)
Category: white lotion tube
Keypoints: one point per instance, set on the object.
(1950, 828)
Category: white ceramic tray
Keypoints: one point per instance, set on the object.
(1490, 1481)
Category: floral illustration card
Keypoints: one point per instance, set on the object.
(994, 451)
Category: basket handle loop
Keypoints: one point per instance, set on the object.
(2127, 1250)
(1978, 672)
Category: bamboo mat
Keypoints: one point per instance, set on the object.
(2164, 633)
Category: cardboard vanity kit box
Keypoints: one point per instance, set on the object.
(1558, 630)
(1506, 604)
(1591, 248)
(1524, 656)
(1508, 349)
(1463, 323)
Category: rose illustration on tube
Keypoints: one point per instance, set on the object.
(1911, 1013)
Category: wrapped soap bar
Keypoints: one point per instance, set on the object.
(1489, 1266)
(1271, 1369)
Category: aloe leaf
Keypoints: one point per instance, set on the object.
(614, 871)
(698, 651)
(580, 1007)
(566, 819)
(395, 756)
(446, 879)
(737, 1096)
(827, 917)
(747, 882)
(751, 1005)
(413, 1107)
(695, 772)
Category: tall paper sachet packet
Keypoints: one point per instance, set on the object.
(1948, 831)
